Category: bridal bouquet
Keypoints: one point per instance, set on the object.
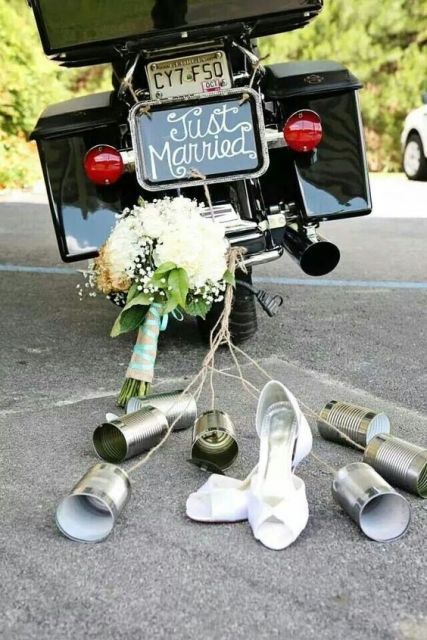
(162, 257)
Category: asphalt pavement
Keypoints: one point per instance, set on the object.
(357, 334)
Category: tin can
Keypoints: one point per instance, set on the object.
(178, 407)
(91, 509)
(214, 440)
(130, 435)
(380, 512)
(357, 423)
(401, 463)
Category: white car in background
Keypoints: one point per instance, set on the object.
(414, 143)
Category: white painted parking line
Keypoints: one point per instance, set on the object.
(23, 268)
(361, 284)
(300, 282)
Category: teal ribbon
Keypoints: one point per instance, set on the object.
(165, 322)
(160, 323)
(153, 324)
(178, 315)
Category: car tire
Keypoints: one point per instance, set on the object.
(243, 318)
(414, 160)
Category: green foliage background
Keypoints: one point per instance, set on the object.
(385, 44)
(28, 83)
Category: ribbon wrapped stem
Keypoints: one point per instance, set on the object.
(140, 373)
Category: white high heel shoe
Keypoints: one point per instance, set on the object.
(224, 499)
(277, 504)
(220, 499)
(275, 392)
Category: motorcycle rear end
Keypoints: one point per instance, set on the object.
(274, 150)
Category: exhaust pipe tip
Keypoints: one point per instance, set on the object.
(315, 255)
(320, 258)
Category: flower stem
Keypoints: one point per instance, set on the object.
(132, 389)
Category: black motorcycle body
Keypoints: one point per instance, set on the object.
(271, 196)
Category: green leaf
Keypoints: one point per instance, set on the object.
(128, 320)
(198, 308)
(161, 273)
(157, 278)
(178, 280)
(171, 304)
(165, 268)
(141, 299)
(229, 278)
(133, 291)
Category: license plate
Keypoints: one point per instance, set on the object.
(202, 140)
(179, 77)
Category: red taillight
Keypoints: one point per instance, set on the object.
(103, 165)
(303, 131)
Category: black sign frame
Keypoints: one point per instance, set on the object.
(236, 96)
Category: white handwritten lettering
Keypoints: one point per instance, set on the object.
(197, 138)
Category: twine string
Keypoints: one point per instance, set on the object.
(234, 255)
(198, 175)
(227, 374)
(196, 396)
(127, 82)
(246, 384)
(308, 410)
(221, 335)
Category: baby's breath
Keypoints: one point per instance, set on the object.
(169, 230)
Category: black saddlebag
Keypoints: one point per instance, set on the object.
(331, 182)
(83, 213)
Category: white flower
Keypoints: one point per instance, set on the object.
(167, 230)
(152, 222)
(122, 250)
(192, 242)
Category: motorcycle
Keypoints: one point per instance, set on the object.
(273, 149)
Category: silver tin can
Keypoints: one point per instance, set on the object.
(381, 512)
(400, 462)
(357, 423)
(90, 511)
(214, 440)
(178, 407)
(130, 435)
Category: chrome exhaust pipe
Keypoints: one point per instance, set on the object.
(315, 255)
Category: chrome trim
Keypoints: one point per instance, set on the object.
(241, 76)
(274, 221)
(128, 157)
(226, 214)
(245, 237)
(253, 59)
(149, 54)
(275, 139)
(263, 258)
